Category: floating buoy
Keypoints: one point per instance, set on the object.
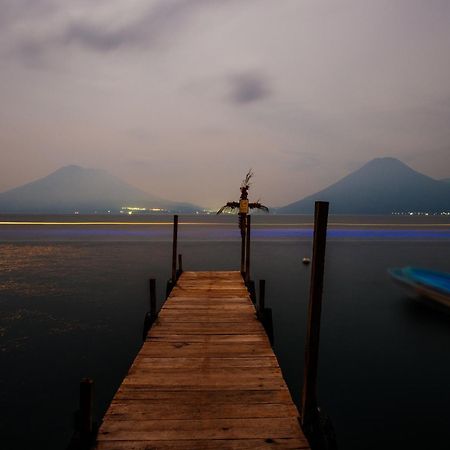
(306, 261)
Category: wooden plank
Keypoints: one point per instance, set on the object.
(203, 382)
(200, 429)
(208, 274)
(207, 378)
(238, 373)
(199, 306)
(216, 281)
(197, 286)
(243, 314)
(170, 326)
(216, 444)
(208, 289)
(238, 396)
(215, 338)
(157, 348)
(206, 300)
(210, 301)
(201, 283)
(168, 410)
(205, 293)
(209, 317)
(200, 362)
(210, 285)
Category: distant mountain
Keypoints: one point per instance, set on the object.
(382, 186)
(74, 188)
(445, 180)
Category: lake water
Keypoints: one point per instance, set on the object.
(73, 299)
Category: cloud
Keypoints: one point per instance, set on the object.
(143, 30)
(248, 88)
(93, 32)
(16, 10)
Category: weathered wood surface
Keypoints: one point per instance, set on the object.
(206, 378)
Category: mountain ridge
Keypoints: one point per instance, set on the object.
(74, 188)
(381, 186)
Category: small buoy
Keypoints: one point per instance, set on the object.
(306, 261)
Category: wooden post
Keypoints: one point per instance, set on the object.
(174, 249)
(247, 249)
(262, 298)
(86, 407)
(180, 264)
(153, 312)
(309, 393)
(243, 250)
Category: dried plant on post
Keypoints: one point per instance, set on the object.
(243, 204)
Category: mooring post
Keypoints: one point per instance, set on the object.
(153, 312)
(86, 408)
(152, 315)
(247, 249)
(243, 233)
(309, 393)
(174, 249)
(180, 265)
(262, 298)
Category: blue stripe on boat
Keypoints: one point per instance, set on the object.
(439, 281)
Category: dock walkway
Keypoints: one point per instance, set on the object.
(206, 378)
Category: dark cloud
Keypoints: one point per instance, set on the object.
(144, 30)
(164, 18)
(99, 38)
(248, 88)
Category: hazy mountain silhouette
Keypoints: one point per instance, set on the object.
(74, 188)
(382, 186)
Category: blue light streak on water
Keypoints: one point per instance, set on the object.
(217, 233)
(337, 233)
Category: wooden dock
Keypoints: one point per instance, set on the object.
(206, 378)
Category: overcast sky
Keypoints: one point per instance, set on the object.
(181, 97)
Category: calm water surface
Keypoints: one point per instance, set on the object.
(73, 298)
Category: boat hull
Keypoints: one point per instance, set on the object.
(426, 283)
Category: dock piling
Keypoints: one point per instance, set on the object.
(85, 427)
(174, 249)
(262, 299)
(153, 311)
(243, 234)
(247, 249)
(309, 393)
(264, 314)
(252, 291)
(152, 314)
(86, 408)
(180, 266)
